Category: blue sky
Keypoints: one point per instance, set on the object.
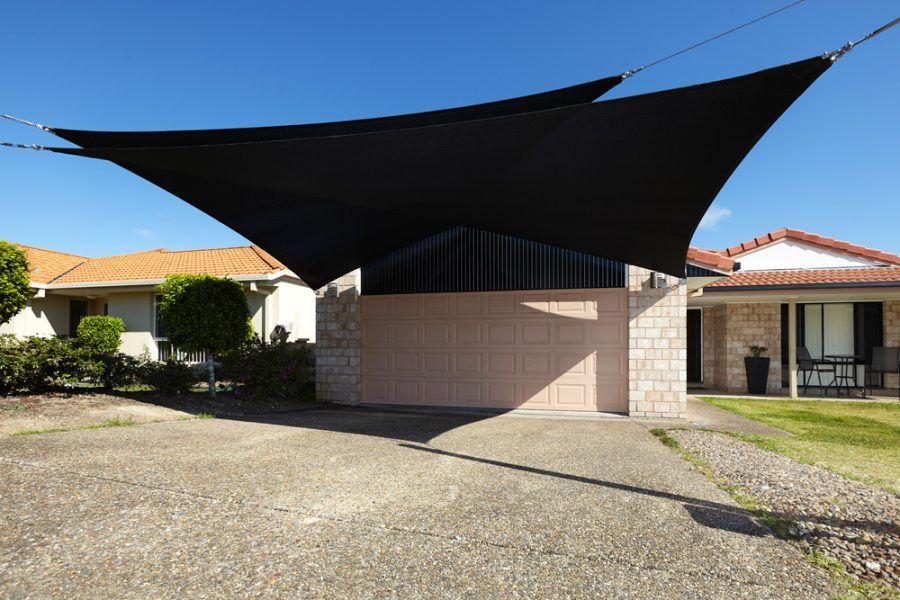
(831, 165)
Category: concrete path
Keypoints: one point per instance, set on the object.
(363, 504)
(707, 416)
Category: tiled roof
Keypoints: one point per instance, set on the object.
(711, 259)
(811, 238)
(57, 268)
(810, 277)
(45, 265)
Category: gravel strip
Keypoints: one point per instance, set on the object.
(847, 520)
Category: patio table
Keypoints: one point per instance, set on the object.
(845, 371)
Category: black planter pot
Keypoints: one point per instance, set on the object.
(757, 368)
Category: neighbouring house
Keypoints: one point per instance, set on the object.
(847, 300)
(68, 287)
(478, 320)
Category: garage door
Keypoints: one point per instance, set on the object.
(557, 350)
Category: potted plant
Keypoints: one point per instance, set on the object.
(757, 367)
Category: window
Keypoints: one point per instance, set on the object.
(159, 330)
(834, 328)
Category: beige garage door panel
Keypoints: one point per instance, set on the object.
(563, 350)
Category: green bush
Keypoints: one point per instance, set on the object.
(201, 313)
(264, 371)
(170, 377)
(11, 365)
(35, 365)
(122, 370)
(100, 334)
(14, 281)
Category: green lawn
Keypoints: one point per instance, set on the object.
(857, 440)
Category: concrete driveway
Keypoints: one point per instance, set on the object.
(357, 504)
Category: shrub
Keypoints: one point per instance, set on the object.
(99, 334)
(14, 281)
(122, 370)
(205, 314)
(11, 365)
(269, 371)
(41, 364)
(170, 377)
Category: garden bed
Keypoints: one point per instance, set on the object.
(90, 408)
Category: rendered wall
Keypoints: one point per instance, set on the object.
(43, 317)
(136, 311)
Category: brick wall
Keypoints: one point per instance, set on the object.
(748, 325)
(892, 334)
(714, 339)
(657, 347)
(338, 341)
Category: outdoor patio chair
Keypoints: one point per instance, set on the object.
(807, 365)
(885, 359)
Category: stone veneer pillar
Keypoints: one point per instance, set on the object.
(338, 338)
(892, 334)
(657, 347)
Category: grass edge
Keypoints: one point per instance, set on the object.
(780, 527)
(107, 424)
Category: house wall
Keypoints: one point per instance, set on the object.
(748, 325)
(256, 303)
(790, 254)
(294, 304)
(43, 317)
(338, 337)
(713, 345)
(657, 347)
(136, 311)
(892, 334)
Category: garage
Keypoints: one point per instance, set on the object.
(446, 340)
(555, 350)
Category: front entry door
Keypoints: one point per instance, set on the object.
(695, 346)
(78, 309)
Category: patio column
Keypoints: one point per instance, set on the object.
(792, 345)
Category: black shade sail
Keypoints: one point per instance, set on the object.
(567, 96)
(626, 179)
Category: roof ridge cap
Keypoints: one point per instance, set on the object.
(66, 272)
(261, 254)
(204, 249)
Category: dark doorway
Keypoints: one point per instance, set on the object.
(78, 309)
(695, 346)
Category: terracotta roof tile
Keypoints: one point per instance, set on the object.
(811, 238)
(808, 277)
(710, 258)
(157, 264)
(45, 265)
(51, 267)
(268, 258)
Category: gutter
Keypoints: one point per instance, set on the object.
(802, 286)
(138, 282)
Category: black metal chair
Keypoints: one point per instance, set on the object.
(885, 359)
(807, 365)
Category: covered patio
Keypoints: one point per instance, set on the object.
(825, 339)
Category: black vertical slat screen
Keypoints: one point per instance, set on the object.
(695, 271)
(467, 260)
